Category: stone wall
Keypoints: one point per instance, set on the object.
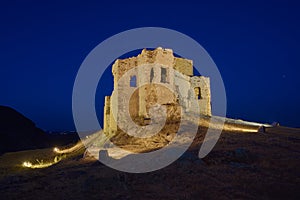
(203, 95)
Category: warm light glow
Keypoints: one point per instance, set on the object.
(232, 128)
(27, 164)
(69, 150)
(41, 164)
(63, 152)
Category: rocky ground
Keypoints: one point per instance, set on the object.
(241, 166)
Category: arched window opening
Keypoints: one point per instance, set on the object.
(164, 75)
(198, 92)
(151, 75)
(133, 81)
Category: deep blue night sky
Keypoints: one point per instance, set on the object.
(255, 46)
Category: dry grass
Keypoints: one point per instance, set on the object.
(241, 166)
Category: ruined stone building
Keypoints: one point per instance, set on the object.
(152, 79)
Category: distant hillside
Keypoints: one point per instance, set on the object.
(18, 132)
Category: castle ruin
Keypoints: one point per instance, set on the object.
(149, 81)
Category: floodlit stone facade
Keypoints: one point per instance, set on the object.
(145, 83)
